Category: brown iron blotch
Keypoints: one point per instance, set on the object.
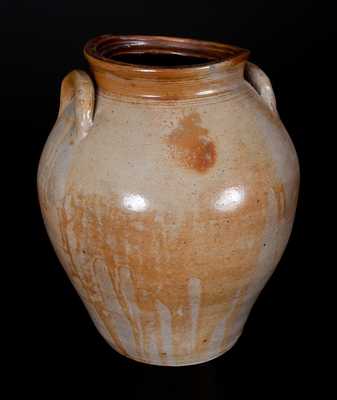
(191, 146)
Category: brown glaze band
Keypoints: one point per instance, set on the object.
(220, 68)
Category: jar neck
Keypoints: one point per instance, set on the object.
(215, 68)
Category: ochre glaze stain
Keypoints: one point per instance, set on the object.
(280, 199)
(81, 278)
(190, 145)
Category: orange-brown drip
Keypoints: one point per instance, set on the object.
(280, 199)
(85, 280)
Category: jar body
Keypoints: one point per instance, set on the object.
(169, 217)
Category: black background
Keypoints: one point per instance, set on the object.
(56, 345)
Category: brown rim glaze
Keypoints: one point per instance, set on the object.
(106, 47)
(215, 66)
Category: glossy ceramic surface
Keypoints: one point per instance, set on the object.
(169, 195)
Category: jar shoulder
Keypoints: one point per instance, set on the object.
(156, 149)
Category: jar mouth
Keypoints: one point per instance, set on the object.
(161, 52)
(164, 68)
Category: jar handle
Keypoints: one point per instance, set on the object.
(261, 83)
(78, 85)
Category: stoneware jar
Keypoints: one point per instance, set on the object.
(168, 187)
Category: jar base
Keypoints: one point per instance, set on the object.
(182, 364)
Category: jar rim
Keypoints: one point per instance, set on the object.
(102, 50)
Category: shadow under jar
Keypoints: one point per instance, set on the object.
(168, 193)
